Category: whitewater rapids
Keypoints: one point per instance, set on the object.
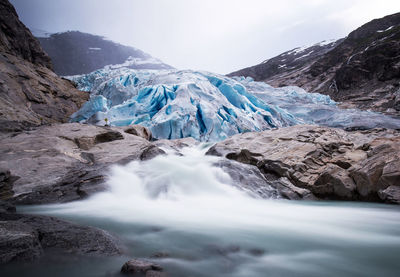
(183, 205)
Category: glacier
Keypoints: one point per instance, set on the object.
(207, 106)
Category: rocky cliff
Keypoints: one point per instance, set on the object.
(361, 71)
(31, 93)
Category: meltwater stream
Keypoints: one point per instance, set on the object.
(185, 211)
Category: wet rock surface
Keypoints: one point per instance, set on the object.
(26, 237)
(318, 162)
(136, 267)
(64, 162)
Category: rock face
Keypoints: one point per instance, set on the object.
(325, 162)
(362, 70)
(65, 162)
(75, 53)
(25, 237)
(31, 93)
(17, 40)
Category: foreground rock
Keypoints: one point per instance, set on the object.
(145, 268)
(323, 162)
(31, 94)
(65, 162)
(25, 237)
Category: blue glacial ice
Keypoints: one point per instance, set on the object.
(206, 106)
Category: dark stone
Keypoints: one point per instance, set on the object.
(257, 252)
(108, 136)
(151, 152)
(244, 156)
(6, 207)
(140, 267)
(6, 184)
(34, 233)
(140, 131)
(18, 242)
(4, 174)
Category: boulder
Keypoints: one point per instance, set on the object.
(24, 237)
(390, 195)
(136, 267)
(333, 182)
(138, 130)
(18, 242)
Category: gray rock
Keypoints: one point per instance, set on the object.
(151, 152)
(138, 130)
(390, 195)
(307, 161)
(334, 182)
(24, 237)
(6, 207)
(65, 162)
(18, 242)
(141, 268)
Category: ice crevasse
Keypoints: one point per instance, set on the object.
(206, 106)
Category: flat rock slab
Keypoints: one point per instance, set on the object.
(65, 162)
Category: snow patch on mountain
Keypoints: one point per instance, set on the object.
(381, 31)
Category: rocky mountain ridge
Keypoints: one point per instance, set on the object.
(291, 60)
(361, 70)
(74, 53)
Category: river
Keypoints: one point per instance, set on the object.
(184, 211)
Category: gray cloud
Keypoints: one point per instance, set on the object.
(215, 35)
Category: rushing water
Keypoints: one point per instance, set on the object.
(186, 210)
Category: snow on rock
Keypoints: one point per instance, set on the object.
(205, 106)
(381, 31)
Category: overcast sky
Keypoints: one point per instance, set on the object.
(214, 35)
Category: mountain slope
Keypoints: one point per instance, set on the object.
(292, 60)
(363, 70)
(31, 93)
(76, 53)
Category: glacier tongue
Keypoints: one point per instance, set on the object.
(205, 106)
